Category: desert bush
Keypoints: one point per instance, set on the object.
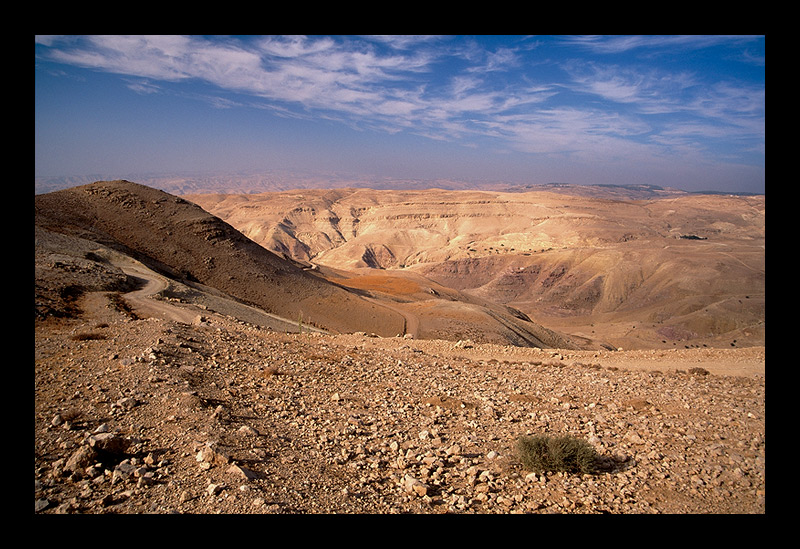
(542, 453)
(270, 371)
(88, 336)
(118, 303)
(72, 414)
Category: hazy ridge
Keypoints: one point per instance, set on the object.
(277, 181)
(258, 182)
(641, 266)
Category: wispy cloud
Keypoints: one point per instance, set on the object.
(661, 43)
(431, 86)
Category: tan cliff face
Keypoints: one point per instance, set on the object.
(537, 269)
(665, 271)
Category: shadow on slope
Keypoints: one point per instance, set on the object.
(182, 241)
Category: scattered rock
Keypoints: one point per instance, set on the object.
(213, 456)
(414, 486)
(83, 457)
(423, 428)
(242, 472)
(109, 442)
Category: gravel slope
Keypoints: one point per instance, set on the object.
(219, 416)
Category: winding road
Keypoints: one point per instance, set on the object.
(141, 302)
(144, 305)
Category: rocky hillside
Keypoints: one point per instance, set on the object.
(145, 415)
(182, 241)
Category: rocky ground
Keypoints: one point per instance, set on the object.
(152, 415)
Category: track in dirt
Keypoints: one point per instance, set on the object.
(145, 302)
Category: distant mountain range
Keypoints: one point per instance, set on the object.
(251, 183)
(637, 266)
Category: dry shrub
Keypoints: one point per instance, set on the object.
(542, 454)
(270, 371)
(118, 303)
(88, 336)
(72, 414)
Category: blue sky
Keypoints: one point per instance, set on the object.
(676, 111)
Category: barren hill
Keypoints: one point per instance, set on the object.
(675, 269)
(183, 242)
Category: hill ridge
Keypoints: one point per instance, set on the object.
(180, 239)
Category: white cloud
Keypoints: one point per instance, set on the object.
(432, 87)
(663, 43)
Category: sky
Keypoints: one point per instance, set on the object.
(685, 112)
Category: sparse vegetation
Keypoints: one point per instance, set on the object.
(270, 371)
(543, 453)
(71, 415)
(118, 303)
(88, 336)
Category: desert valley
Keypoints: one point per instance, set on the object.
(381, 351)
